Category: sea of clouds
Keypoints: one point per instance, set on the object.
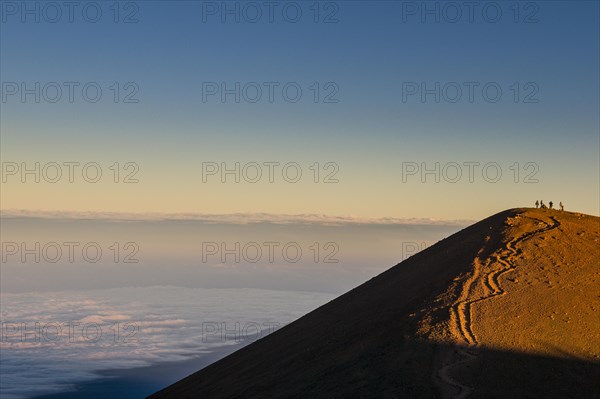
(81, 333)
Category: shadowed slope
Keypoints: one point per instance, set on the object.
(431, 326)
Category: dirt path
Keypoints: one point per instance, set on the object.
(460, 312)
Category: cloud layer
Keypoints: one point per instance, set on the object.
(232, 218)
(51, 341)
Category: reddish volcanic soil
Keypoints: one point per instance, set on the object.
(508, 307)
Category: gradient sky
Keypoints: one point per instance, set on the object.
(368, 53)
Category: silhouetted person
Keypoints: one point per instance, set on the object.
(562, 208)
(542, 205)
(537, 204)
(550, 204)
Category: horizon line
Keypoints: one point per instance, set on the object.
(228, 218)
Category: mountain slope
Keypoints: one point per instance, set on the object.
(505, 307)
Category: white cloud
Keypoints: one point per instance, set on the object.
(233, 218)
(139, 326)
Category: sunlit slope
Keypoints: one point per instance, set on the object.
(506, 307)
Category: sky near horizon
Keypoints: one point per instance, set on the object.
(369, 120)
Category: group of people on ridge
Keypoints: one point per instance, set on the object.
(541, 205)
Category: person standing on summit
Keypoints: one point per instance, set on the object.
(560, 204)
(537, 204)
(550, 204)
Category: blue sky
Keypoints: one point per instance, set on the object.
(367, 55)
